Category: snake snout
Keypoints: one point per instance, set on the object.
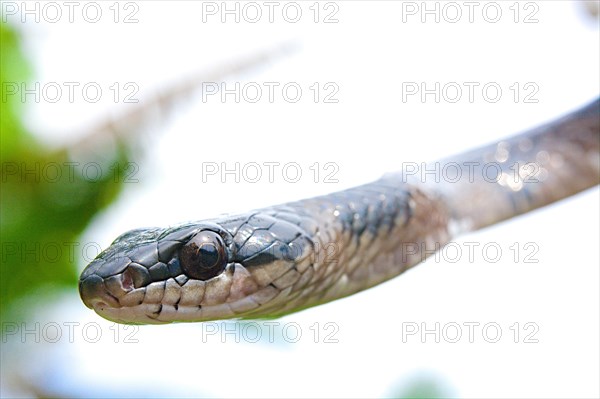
(94, 294)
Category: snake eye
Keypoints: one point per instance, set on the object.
(203, 257)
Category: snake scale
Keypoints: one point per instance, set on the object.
(277, 260)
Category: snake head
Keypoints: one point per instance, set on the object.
(234, 267)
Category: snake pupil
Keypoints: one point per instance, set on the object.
(209, 256)
(203, 257)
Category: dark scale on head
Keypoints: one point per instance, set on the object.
(204, 256)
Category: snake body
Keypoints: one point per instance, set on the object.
(284, 258)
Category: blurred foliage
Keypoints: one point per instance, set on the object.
(424, 387)
(42, 216)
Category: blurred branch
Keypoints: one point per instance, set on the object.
(165, 101)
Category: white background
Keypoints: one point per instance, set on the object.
(369, 53)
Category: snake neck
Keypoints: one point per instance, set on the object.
(361, 237)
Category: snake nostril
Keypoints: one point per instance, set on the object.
(127, 280)
(135, 276)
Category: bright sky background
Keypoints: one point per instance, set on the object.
(369, 54)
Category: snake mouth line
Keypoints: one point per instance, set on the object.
(144, 307)
(145, 313)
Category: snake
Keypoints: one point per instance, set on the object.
(274, 261)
